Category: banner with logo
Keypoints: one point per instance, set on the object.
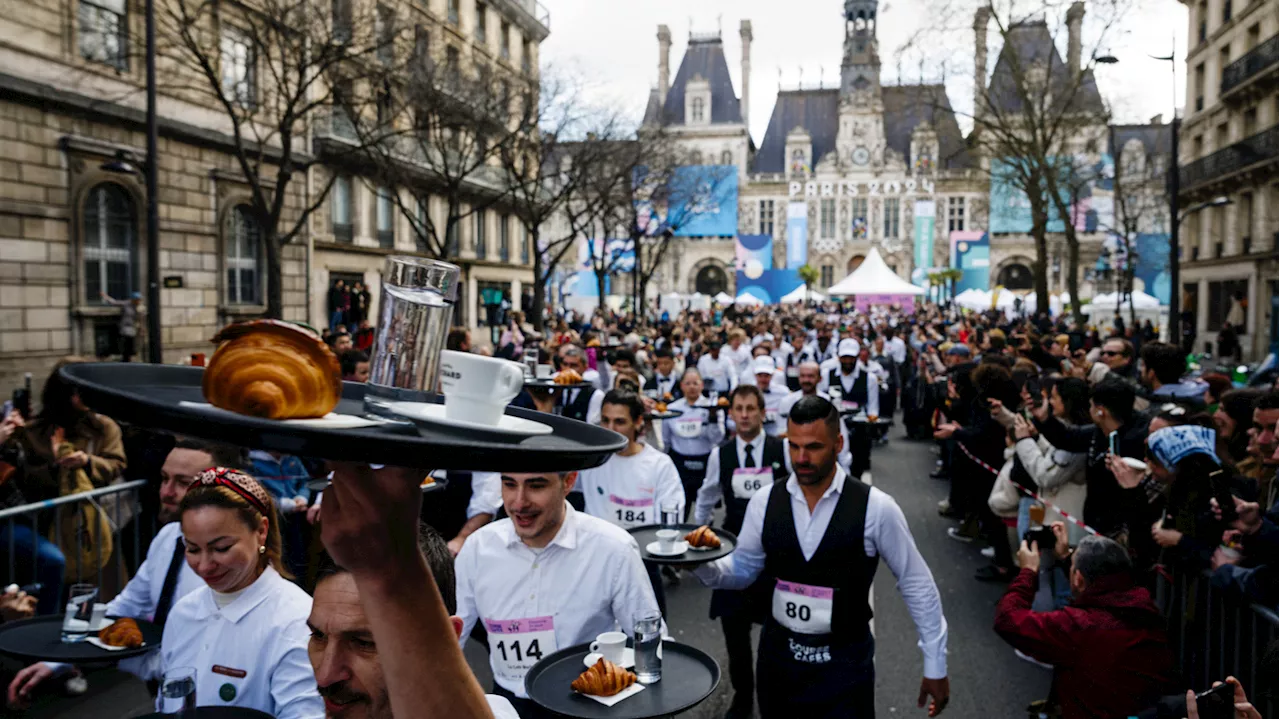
(971, 253)
(703, 201)
(925, 212)
(797, 235)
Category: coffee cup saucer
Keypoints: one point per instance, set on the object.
(655, 548)
(628, 658)
(434, 414)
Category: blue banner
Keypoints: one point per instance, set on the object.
(1088, 190)
(797, 235)
(770, 286)
(925, 212)
(703, 201)
(971, 253)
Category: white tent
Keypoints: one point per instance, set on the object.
(974, 299)
(798, 295)
(1106, 303)
(672, 302)
(723, 298)
(747, 298)
(699, 302)
(873, 277)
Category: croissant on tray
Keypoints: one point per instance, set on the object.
(603, 679)
(567, 376)
(272, 369)
(703, 537)
(122, 633)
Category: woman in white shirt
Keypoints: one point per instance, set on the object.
(690, 437)
(245, 632)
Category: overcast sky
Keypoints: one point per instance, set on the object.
(612, 45)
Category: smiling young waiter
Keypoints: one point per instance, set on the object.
(818, 538)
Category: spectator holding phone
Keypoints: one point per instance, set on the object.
(1108, 647)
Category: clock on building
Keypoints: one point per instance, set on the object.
(861, 155)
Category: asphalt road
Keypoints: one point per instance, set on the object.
(987, 680)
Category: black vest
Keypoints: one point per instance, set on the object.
(836, 562)
(735, 510)
(858, 393)
(445, 510)
(581, 406)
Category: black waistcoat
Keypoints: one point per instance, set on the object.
(735, 510)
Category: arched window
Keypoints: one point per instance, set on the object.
(243, 257)
(726, 158)
(698, 108)
(1016, 276)
(710, 281)
(110, 243)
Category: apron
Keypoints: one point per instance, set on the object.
(816, 656)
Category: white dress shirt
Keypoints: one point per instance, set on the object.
(898, 350)
(253, 649)
(629, 491)
(720, 374)
(486, 492)
(588, 580)
(711, 492)
(665, 385)
(845, 458)
(593, 407)
(820, 355)
(678, 433)
(885, 534)
(847, 381)
(741, 356)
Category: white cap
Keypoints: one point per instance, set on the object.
(848, 348)
(763, 365)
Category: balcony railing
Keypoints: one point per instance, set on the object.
(1259, 148)
(1253, 62)
(537, 10)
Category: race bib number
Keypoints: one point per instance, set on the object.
(770, 417)
(848, 405)
(747, 480)
(631, 513)
(515, 645)
(801, 608)
(689, 428)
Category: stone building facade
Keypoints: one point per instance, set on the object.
(1228, 149)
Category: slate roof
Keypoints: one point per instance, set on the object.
(703, 57)
(1025, 45)
(905, 107)
(1155, 138)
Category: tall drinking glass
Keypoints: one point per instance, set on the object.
(648, 646)
(79, 612)
(178, 692)
(416, 311)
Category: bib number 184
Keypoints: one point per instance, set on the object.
(630, 516)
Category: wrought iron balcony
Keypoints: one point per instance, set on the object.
(1249, 152)
(1260, 58)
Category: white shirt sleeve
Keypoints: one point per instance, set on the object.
(464, 592)
(709, 493)
(293, 679)
(632, 592)
(873, 393)
(715, 430)
(593, 407)
(744, 565)
(500, 707)
(486, 494)
(135, 599)
(894, 543)
(667, 486)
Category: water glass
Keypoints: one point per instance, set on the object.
(79, 612)
(648, 647)
(414, 317)
(178, 692)
(669, 512)
(530, 359)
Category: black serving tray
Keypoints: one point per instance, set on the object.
(689, 676)
(150, 396)
(213, 712)
(40, 639)
(648, 533)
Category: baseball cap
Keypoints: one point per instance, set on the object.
(959, 351)
(847, 348)
(763, 365)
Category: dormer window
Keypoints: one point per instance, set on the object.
(697, 110)
(697, 101)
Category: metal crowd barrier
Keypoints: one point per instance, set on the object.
(118, 502)
(1216, 634)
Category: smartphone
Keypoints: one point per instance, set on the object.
(1113, 444)
(1217, 703)
(1034, 389)
(1222, 492)
(1043, 537)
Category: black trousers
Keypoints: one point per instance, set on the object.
(127, 348)
(737, 643)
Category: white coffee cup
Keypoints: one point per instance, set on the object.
(544, 371)
(610, 645)
(667, 539)
(476, 388)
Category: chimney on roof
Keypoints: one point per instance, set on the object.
(744, 31)
(1075, 14)
(981, 19)
(1158, 119)
(664, 61)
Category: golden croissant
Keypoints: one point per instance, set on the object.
(567, 376)
(122, 633)
(272, 369)
(703, 537)
(603, 679)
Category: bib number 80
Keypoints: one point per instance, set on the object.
(627, 515)
(798, 611)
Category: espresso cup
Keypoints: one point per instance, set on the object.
(543, 371)
(667, 539)
(610, 645)
(477, 389)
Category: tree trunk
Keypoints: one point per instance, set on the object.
(539, 285)
(600, 299)
(275, 286)
(1039, 232)
(1073, 283)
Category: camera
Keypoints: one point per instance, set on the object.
(1043, 537)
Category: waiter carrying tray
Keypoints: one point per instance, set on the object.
(818, 537)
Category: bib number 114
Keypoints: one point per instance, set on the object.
(531, 650)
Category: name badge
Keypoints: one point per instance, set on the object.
(803, 609)
(515, 645)
(689, 428)
(629, 513)
(747, 481)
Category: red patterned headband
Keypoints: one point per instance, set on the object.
(246, 487)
